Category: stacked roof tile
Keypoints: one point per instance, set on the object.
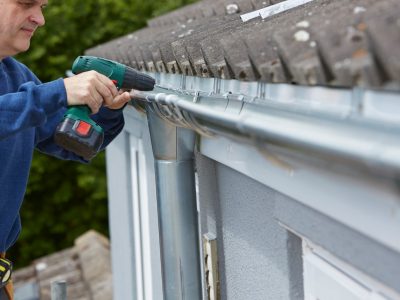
(323, 42)
(86, 268)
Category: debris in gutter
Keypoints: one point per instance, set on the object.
(232, 9)
(301, 36)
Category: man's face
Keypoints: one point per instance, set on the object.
(18, 21)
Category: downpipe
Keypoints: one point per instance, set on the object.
(177, 212)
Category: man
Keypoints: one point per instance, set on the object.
(30, 112)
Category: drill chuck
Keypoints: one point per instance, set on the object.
(138, 81)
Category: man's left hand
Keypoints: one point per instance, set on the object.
(119, 101)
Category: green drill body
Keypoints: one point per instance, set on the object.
(78, 132)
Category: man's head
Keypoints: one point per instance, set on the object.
(18, 21)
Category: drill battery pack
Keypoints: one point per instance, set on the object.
(79, 137)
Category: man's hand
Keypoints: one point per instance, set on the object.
(94, 90)
(120, 100)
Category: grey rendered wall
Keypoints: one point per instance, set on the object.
(259, 259)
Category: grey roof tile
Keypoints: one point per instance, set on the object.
(324, 42)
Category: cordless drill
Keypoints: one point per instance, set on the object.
(77, 132)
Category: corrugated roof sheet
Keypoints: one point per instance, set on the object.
(324, 42)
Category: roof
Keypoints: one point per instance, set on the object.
(86, 268)
(323, 42)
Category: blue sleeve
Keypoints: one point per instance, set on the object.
(30, 106)
(112, 122)
(27, 104)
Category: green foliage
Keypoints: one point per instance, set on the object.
(64, 199)
(73, 26)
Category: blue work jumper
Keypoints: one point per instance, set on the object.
(29, 114)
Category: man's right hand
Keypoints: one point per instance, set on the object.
(90, 88)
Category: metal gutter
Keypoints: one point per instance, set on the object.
(371, 145)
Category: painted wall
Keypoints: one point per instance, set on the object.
(259, 259)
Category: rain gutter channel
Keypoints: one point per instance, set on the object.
(347, 128)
